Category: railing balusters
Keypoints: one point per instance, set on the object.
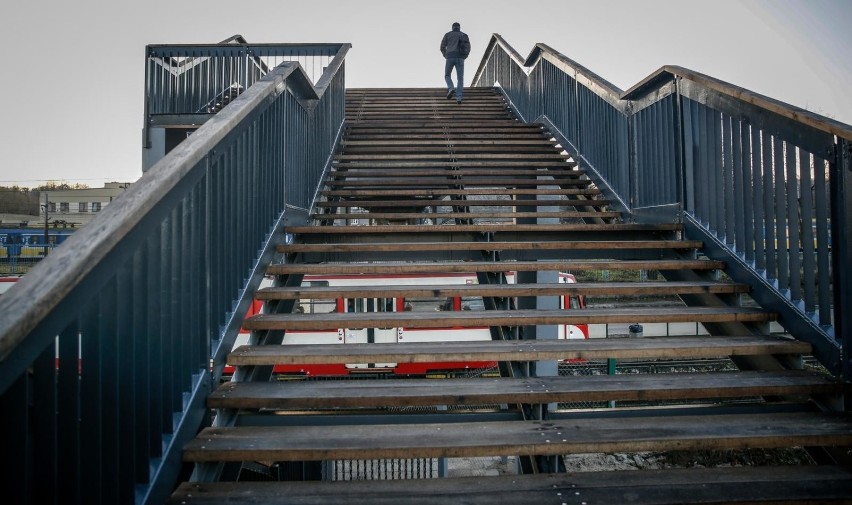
(747, 157)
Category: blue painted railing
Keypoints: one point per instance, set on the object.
(764, 184)
(109, 347)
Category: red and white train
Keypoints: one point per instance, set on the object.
(400, 335)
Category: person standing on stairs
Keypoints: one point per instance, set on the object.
(455, 46)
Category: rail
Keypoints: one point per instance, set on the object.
(106, 345)
(187, 84)
(764, 184)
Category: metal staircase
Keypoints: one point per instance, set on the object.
(424, 186)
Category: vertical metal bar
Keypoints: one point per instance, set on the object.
(780, 215)
(841, 252)
(154, 306)
(167, 349)
(822, 203)
(44, 428)
(758, 200)
(109, 390)
(807, 220)
(68, 414)
(18, 478)
(769, 208)
(182, 75)
(183, 314)
(747, 193)
(717, 173)
(91, 411)
(728, 181)
(793, 223)
(140, 366)
(125, 419)
(689, 133)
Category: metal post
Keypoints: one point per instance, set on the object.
(841, 220)
(45, 224)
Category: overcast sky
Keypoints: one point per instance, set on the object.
(72, 78)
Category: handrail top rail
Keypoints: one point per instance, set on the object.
(260, 45)
(40, 291)
(668, 73)
(540, 50)
(496, 39)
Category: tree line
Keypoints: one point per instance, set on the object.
(26, 201)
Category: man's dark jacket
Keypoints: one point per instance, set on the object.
(455, 44)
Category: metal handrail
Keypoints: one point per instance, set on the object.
(116, 330)
(763, 183)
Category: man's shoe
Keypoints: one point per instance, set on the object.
(451, 93)
(458, 102)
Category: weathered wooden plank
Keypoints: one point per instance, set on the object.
(434, 440)
(448, 182)
(461, 171)
(540, 142)
(593, 289)
(485, 391)
(775, 484)
(524, 157)
(424, 202)
(589, 191)
(562, 180)
(494, 246)
(557, 163)
(520, 350)
(480, 318)
(439, 134)
(468, 215)
(484, 266)
(489, 228)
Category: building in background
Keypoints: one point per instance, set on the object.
(76, 207)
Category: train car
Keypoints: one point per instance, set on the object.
(29, 243)
(398, 335)
(7, 282)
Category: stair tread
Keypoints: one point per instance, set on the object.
(419, 392)
(484, 318)
(466, 191)
(469, 181)
(468, 439)
(566, 227)
(487, 266)
(438, 202)
(591, 289)
(775, 484)
(520, 350)
(594, 245)
(468, 215)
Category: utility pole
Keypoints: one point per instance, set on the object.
(46, 207)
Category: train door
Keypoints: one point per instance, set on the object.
(355, 335)
(388, 335)
(385, 335)
(370, 335)
(569, 302)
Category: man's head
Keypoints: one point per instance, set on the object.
(456, 26)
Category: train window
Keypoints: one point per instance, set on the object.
(83, 207)
(385, 305)
(574, 302)
(472, 303)
(96, 206)
(63, 206)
